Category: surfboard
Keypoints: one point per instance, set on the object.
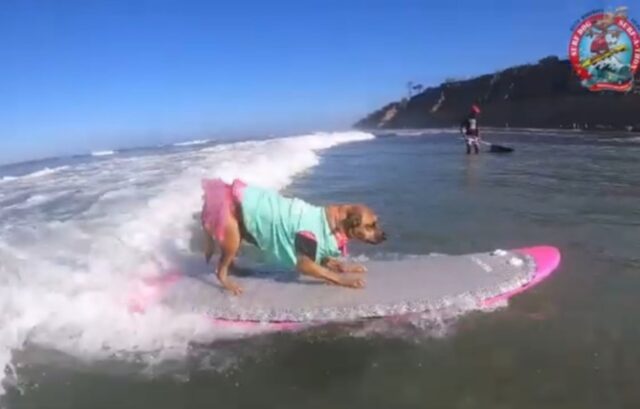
(406, 285)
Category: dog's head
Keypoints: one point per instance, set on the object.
(361, 223)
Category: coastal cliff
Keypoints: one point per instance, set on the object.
(543, 95)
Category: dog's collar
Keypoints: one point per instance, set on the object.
(342, 240)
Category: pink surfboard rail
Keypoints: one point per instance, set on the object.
(546, 259)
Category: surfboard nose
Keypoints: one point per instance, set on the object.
(547, 258)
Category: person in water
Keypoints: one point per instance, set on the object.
(469, 130)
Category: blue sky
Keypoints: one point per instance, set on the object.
(88, 74)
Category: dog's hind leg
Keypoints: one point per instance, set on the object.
(229, 247)
(209, 245)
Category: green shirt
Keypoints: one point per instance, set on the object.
(274, 221)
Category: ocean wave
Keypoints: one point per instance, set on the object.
(67, 270)
(191, 143)
(416, 132)
(102, 153)
(630, 139)
(39, 173)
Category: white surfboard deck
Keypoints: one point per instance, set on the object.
(396, 287)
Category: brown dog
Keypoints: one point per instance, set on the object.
(348, 221)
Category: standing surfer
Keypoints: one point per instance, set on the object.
(469, 130)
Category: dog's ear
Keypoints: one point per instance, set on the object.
(353, 219)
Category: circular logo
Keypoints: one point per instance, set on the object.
(605, 51)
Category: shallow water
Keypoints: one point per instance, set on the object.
(570, 343)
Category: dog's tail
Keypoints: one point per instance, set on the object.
(217, 203)
(219, 198)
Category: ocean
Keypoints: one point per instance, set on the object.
(76, 232)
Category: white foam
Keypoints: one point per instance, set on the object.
(75, 245)
(39, 173)
(434, 323)
(421, 132)
(631, 139)
(102, 153)
(191, 143)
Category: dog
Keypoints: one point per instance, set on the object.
(296, 234)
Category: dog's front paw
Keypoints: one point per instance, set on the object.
(351, 282)
(232, 287)
(355, 268)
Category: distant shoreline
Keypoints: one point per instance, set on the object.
(617, 132)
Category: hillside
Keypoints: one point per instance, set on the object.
(542, 95)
